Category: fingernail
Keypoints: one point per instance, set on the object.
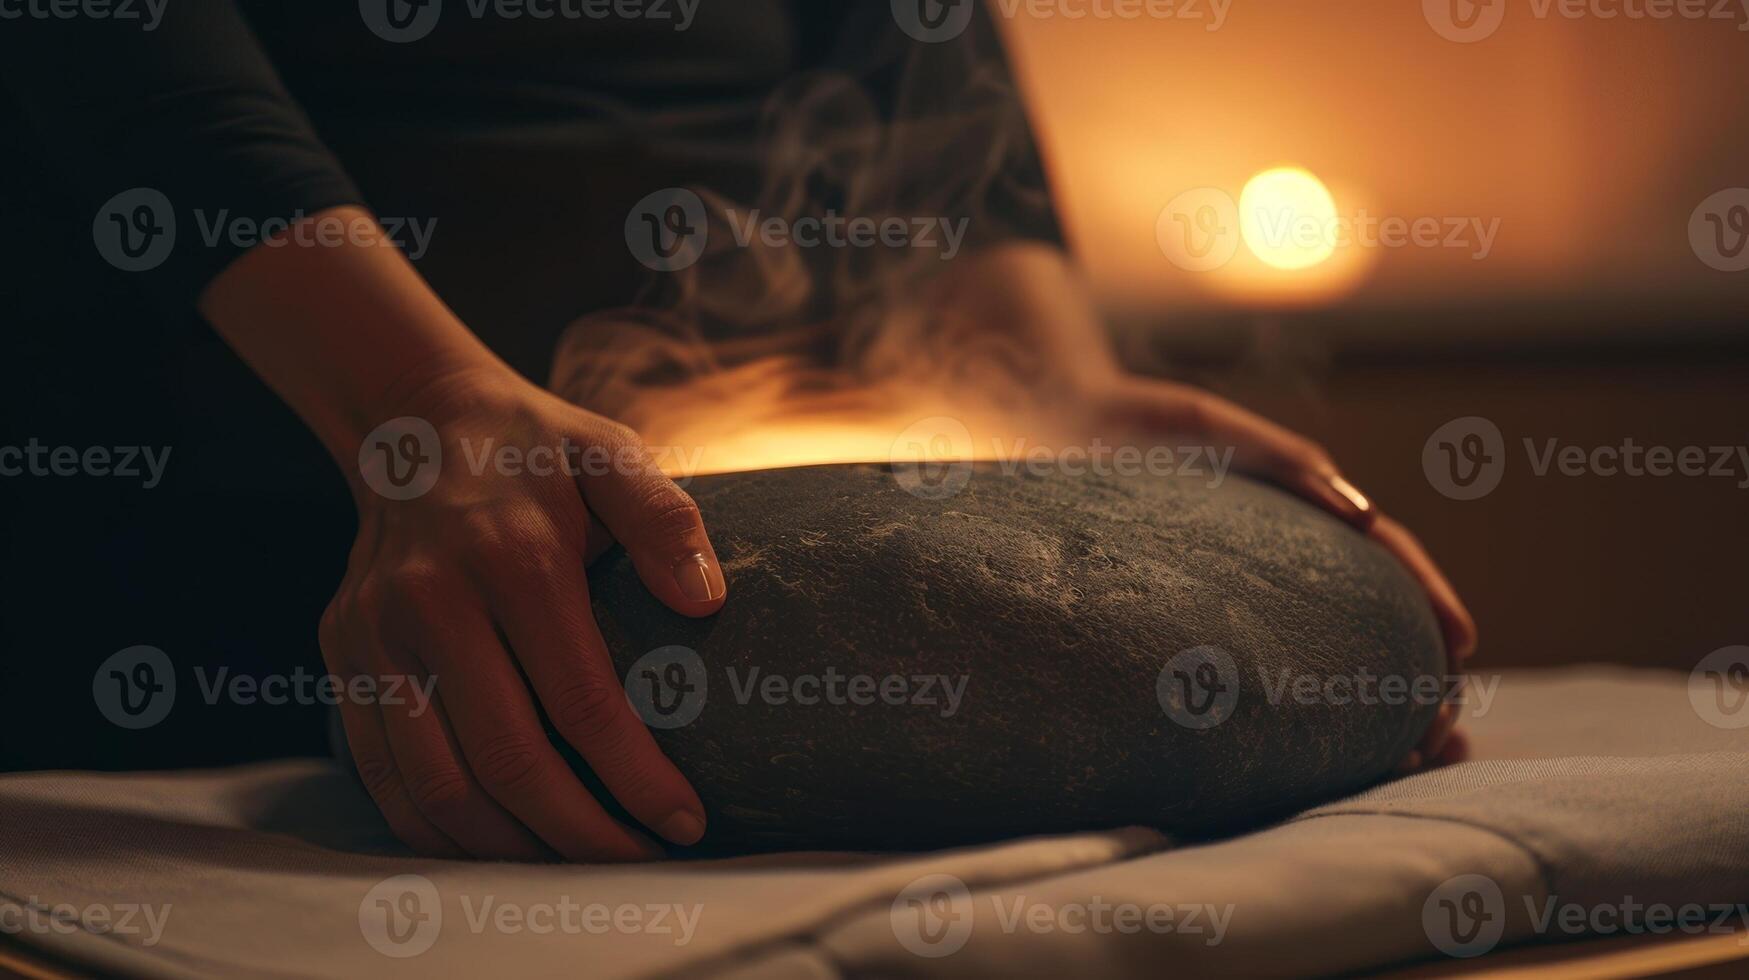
(682, 827)
(1362, 505)
(699, 578)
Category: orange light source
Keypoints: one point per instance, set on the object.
(1288, 218)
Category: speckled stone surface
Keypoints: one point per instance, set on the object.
(1055, 603)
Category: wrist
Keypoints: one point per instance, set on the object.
(347, 334)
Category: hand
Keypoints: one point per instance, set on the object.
(1027, 301)
(479, 584)
(1293, 462)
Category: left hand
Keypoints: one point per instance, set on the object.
(1028, 302)
(1267, 450)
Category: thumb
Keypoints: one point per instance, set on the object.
(660, 527)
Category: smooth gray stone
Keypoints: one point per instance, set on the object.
(1058, 602)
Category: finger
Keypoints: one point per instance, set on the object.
(1431, 743)
(1457, 749)
(1260, 447)
(596, 538)
(1455, 622)
(660, 527)
(446, 792)
(1433, 740)
(548, 622)
(494, 720)
(369, 745)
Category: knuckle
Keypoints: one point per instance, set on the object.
(328, 628)
(482, 532)
(380, 777)
(506, 762)
(367, 598)
(613, 434)
(588, 711)
(439, 791)
(414, 587)
(670, 513)
(1311, 455)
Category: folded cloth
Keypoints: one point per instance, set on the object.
(284, 869)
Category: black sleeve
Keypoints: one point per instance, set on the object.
(180, 100)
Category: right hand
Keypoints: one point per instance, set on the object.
(479, 583)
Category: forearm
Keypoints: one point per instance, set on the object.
(342, 332)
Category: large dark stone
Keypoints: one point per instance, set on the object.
(1058, 602)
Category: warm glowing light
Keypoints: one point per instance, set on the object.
(1288, 218)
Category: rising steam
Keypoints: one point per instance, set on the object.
(766, 355)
